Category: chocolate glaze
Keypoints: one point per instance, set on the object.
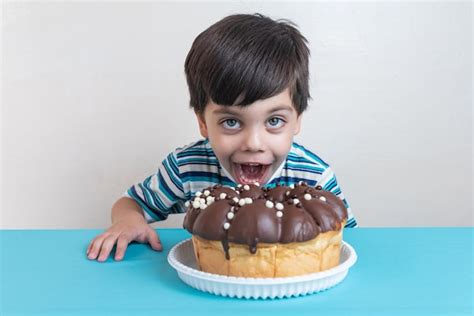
(297, 225)
(254, 223)
(265, 215)
(217, 190)
(278, 193)
(209, 223)
(254, 192)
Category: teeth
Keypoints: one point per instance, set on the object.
(255, 177)
(247, 180)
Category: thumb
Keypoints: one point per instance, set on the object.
(154, 240)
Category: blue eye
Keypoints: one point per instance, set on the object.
(231, 124)
(275, 122)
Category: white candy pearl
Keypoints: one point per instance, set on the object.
(235, 199)
(257, 184)
(239, 185)
(187, 204)
(287, 193)
(198, 193)
(269, 204)
(242, 202)
(248, 200)
(307, 196)
(296, 201)
(322, 198)
(202, 206)
(202, 201)
(230, 215)
(223, 195)
(246, 187)
(196, 204)
(279, 214)
(210, 199)
(279, 206)
(226, 225)
(206, 193)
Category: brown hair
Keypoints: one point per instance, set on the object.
(244, 58)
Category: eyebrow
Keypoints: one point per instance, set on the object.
(227, 110)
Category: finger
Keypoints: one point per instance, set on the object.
(122, 244)
(95, 246)
(107, 246)
(154, 240)
(89, 247)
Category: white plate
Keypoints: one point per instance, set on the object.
(181, 258)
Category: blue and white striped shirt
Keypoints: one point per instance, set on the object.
(195, 167)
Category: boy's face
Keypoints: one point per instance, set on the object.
(251, 142)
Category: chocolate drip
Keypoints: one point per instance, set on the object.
(253, 247)
(225, 245)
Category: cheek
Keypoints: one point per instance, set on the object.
(222, 145)
(281, 144)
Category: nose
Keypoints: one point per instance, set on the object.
(253, 141)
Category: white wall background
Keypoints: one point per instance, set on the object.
(94, 96)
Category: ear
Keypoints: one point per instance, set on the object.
(298, 124)
(202, 125)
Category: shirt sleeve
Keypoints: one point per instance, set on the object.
(159, 193)
(329, 183)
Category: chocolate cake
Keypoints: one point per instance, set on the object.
(251, 231)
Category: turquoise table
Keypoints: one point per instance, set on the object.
(413, 271)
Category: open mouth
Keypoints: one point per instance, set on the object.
(248, 173)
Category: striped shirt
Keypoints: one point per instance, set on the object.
(194, 167)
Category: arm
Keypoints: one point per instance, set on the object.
(154, 197)
(125, 207)
(128, 224)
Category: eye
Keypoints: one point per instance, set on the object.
(231, 124)
(275, 122)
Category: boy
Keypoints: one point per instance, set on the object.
(248, 81)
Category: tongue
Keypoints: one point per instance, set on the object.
(251, 171)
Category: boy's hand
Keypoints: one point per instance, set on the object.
(121, 233)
